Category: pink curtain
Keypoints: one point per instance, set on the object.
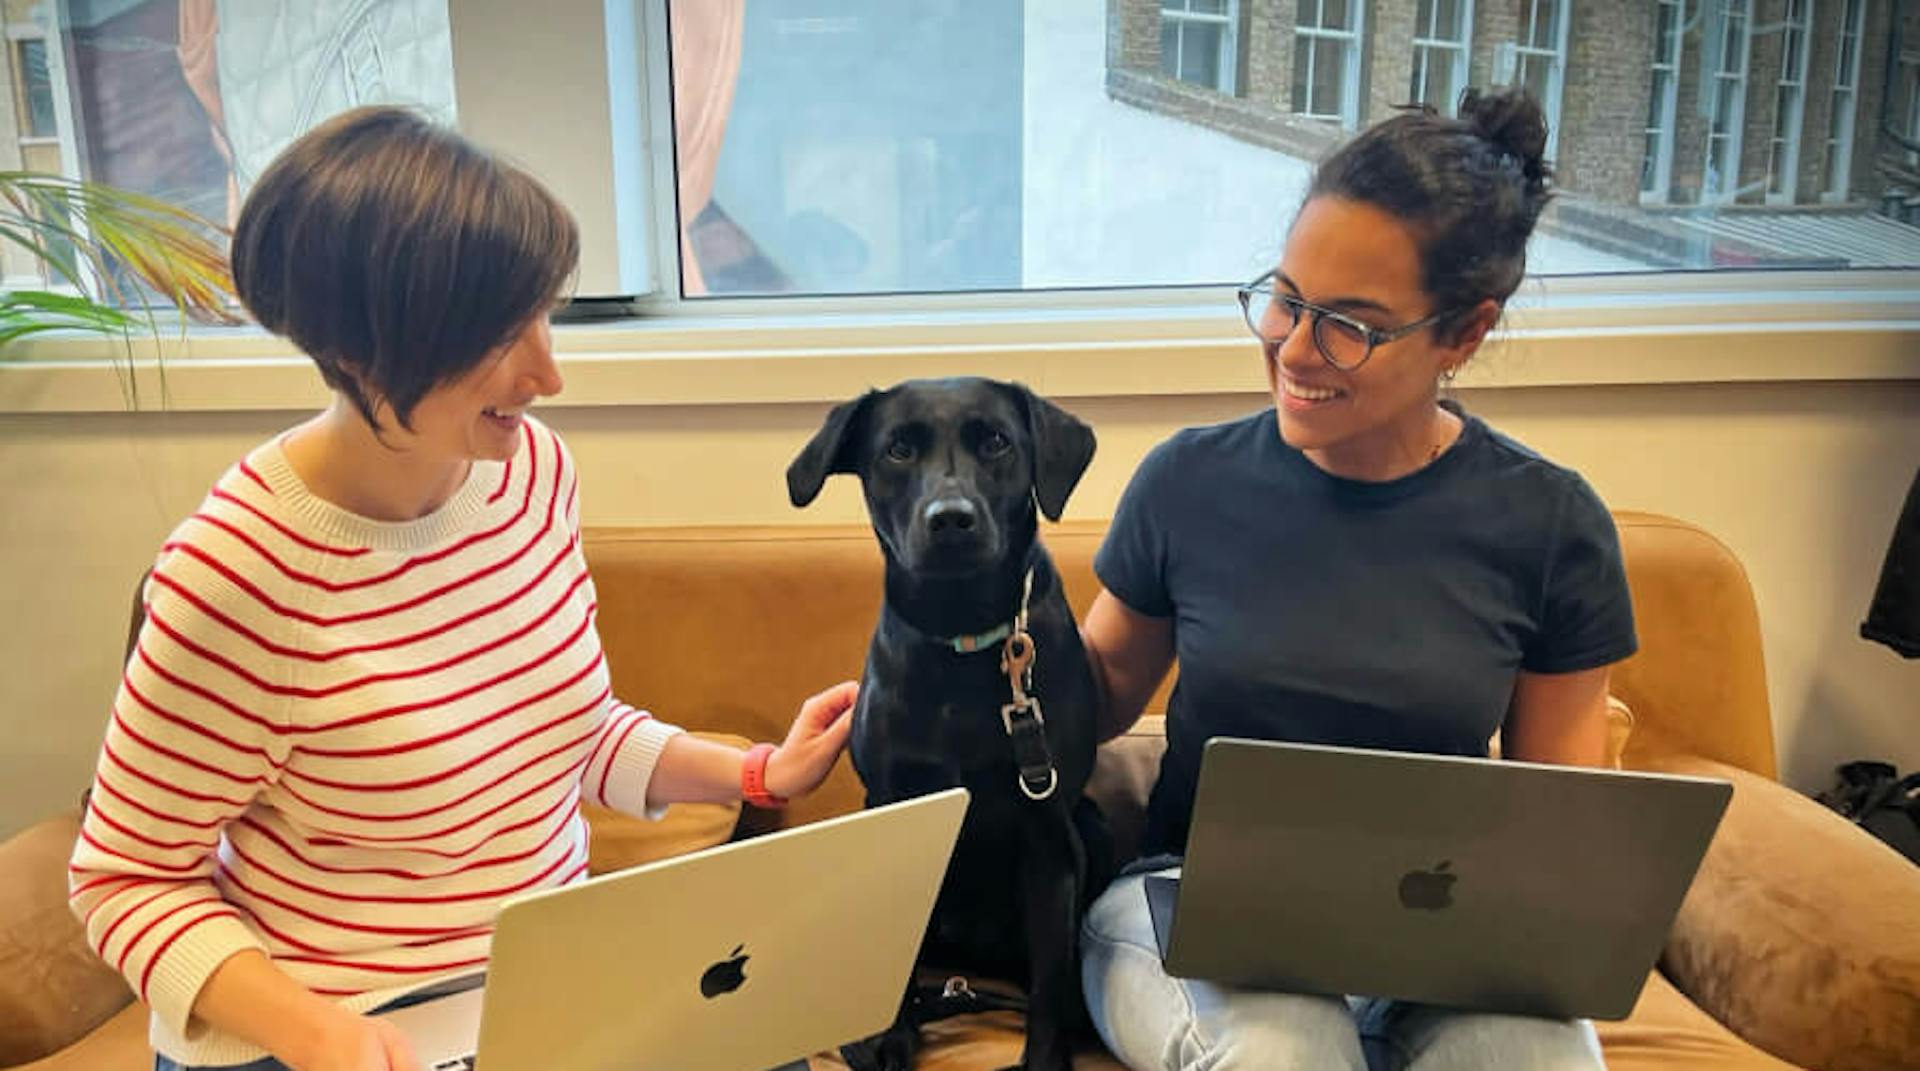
(706, 65)
(199, 27)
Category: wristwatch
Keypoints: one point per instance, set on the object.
(753, 779)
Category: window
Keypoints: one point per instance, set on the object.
(1656, 159)
(1198, 43)
(43, 139)
(1536, 61)
(874, 150)
(34, 89)
(187, 100)
(1846, 93)
(1442, 32)
(1789, 99)
(1326, 60)
(38, 99)
(1727, 93)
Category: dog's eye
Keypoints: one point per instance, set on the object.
(995, 444)
(899, 450)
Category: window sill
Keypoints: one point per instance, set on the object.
(1659, 329)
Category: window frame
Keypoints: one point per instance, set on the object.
(1352, 52)
(1561, 331)
(1227, 70)
(1684, 326)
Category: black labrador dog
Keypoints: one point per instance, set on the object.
(976, 676)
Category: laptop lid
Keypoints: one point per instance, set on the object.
(737, 958)
(1472, 883)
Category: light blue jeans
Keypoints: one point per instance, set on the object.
(1155, 1022)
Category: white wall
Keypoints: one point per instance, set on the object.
(1802, 480)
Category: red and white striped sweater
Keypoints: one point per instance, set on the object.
(344, 742)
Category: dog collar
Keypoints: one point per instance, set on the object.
(982, 640)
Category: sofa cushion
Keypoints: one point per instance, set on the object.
(53, 989)
(1667, 1032)
(1124, 771)
(1759, 945)
(618, 841)
(119, 1044)
(730, 628)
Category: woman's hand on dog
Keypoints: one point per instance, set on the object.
(818, 736)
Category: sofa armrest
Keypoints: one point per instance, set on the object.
(53, 989)
(1798, 931)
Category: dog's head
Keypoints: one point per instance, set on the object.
(952, 468)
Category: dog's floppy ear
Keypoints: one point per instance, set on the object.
(1062, 447)
(829, 451)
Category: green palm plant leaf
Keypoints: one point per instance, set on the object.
(27, 312)
(100, 240)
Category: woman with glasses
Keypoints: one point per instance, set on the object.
(1364, 564)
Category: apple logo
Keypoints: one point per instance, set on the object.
(725, 976)
(1428, 890)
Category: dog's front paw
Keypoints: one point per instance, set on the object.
(889, 1051)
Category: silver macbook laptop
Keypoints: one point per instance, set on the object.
(1471, 883)
(739, 958)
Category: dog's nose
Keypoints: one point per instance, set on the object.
(950, 517)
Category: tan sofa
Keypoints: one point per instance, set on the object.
(1798, 946)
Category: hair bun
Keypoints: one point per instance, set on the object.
(1513, 122)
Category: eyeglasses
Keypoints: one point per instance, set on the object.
(1343, 342)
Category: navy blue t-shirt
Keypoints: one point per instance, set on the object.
(1316, 609)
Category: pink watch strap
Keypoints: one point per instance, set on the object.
(753, 779)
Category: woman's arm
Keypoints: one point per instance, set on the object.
(1558, 718)
(250, 998)
(692, 770)
(1129, 653)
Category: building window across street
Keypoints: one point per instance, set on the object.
(1326, 60)
(1198, 41)
(1442, 35)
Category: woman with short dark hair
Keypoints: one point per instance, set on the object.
(368, 697)
(1362, 565)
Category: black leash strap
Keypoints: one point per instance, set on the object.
(1025, 725)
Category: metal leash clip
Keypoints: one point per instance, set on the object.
(1024, 723)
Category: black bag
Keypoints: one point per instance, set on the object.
(1878, 800)
(1894, 616)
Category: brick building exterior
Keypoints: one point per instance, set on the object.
(1771, 102)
